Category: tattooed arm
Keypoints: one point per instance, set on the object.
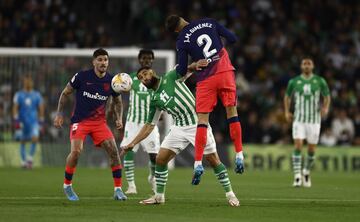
(64, 97)
(118, 111)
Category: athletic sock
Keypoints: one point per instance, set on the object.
(69, 171)
(129, 168)
(116, 173)
(200, 141)
(32, 149)
(152, 168)
(161, 176)
(296, 162)
(223, 177)
(235, 132)
(23, 153)
(309, 162)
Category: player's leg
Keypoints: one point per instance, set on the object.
(23, 153)
(236, 137)
(298, 134)
(227, 94)
(151, 145)
(109, 146)
(223, 177)
(206, 99)
(161, 176)
(71, 162)
(35, 131)
(312, 137)
(131, 130)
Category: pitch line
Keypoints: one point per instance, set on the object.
(179, 198)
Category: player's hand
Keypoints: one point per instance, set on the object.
(16, 124)
(118, 124)
(42, 126)
(288, 116)
(202, 63)
(125, 149)
(58, 121)
(324, 111)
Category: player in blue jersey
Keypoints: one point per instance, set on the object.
(93, 88)
(28, 114)
(201, 39)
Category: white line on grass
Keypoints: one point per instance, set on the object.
(179, 198)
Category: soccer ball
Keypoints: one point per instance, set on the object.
(121, 82)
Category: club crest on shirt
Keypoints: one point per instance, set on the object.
(106, 86)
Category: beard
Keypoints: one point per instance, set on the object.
(151, 83)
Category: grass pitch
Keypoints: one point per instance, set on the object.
(265, 196)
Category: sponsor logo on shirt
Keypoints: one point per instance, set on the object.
(96, 96)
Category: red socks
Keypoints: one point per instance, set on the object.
(200, 141)
(235, 132)
(116, 172)
(69, 171)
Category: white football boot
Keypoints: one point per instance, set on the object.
(131, 190)
(297, 180)
(155, 199)
(232, 199)
(306, 178)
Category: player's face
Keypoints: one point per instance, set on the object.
(307, 66)
(146, 60)
(147, 77)
(101, 63)
(28, 83)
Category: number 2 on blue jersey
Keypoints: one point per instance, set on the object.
(204, 38)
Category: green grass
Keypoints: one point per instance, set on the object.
(265, 196)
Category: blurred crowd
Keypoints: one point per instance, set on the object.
(273, 37)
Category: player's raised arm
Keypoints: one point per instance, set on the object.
(226, 33)
(64, 97)
(182, 61)
(118, 111)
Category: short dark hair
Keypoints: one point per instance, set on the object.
(141, 69)
(172, 22)
(146, 52)
(99, 52)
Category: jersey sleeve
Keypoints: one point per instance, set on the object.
(290, 88)
(154, 114)
(182, 59)
(75, 81)
(224, 32)
(16, 98)
(39, 99)
(324, 87)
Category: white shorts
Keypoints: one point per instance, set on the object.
(308, 131)
(180, 137)
(150, 144)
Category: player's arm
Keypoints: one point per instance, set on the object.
(64, 97)
(182, 60)
(152, 119)
(287, 102)
(15, 112)
(226, 33)
(327, 99)
(195, 66)
(118, 111)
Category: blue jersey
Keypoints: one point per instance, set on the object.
(92, 94)
(28, 103)
(201, 40)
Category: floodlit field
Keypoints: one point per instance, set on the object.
(265, 196)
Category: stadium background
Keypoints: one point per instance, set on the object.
(274, 36)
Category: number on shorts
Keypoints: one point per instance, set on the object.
(206, 38)
(75, 126)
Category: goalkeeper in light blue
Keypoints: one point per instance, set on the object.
(28, 117)
(172, 95)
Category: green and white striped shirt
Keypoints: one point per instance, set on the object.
(307, 97)
(174, 97)
(139, 101)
